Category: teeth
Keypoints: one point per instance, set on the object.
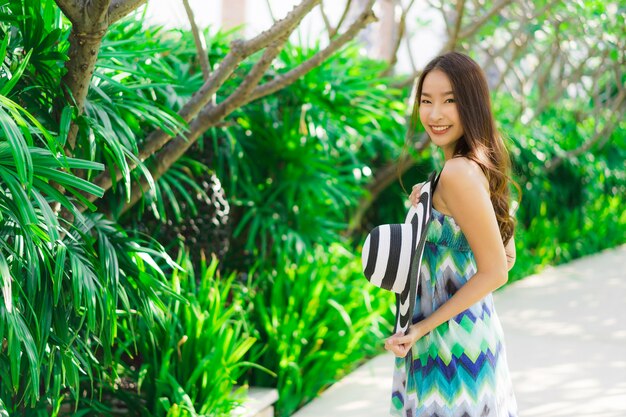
(440, 128)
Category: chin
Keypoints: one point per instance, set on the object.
(443, 143)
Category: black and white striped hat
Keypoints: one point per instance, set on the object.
(392, 254)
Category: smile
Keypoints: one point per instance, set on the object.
(440, 129)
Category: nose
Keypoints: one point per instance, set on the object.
(435, 113)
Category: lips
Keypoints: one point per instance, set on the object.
(440, 129)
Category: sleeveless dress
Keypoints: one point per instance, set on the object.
(459, 369)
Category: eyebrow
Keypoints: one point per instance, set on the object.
(445, 94)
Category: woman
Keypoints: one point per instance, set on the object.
(457, 363)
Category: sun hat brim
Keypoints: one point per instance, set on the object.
(391, 256)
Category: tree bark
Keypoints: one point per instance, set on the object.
(89, 25)
(90, 22)
(316, 60)
(120, 8)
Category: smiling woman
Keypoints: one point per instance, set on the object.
(452, 359)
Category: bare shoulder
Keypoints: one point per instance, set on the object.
(466, 195)
(463, 172)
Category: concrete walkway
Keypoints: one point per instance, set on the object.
(565, 331)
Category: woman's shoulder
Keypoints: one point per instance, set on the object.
(464, 170)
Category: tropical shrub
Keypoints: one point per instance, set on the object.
(572, 210)
(316, 318)
(94, 314)
(188, 366)
(295, 185)
(67, 275)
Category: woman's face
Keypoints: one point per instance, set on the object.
(439, 113)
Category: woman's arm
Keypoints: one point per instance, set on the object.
(461, 187)
(509, 249)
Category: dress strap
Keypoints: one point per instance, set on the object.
(436, 180)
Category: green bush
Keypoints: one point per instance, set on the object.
(316, 318)
(190, 366)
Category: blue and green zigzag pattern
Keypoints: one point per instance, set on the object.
(460, 368)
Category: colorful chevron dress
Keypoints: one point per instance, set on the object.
(460, 368)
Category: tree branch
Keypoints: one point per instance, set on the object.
(239, 51)
(329, 27)
(89, 25)
(199, 41)
(342, 19)
(409, 51)
(244, 94)
(460, 9)
(575, 75)
(400, 34)
(281, 81)
(206, 118)
(470, 30)
(511, 61)
(70, 8)
(599, 136)
(269, 9)
(444, 13)
(120, 8)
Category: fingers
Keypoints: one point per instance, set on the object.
(397, 345)
(391, 339)
(398, 350)
(403, 340)
(415, 193)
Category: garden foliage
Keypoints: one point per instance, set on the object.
(105, 313)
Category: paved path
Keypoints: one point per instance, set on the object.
(565, 331)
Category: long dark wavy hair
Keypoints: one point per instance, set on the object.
(481, 142)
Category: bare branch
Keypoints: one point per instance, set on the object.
(444, 14)
(399, 36)
(512, 60)
(329, 27)
(366, 17)
(198, 39)
(342, 19)
(460, 9)
(601, 136)
(470, 30)
(239, 51)
(206, 118)
(269, 9)
(575, 75)
(120, 8)
(409, 51)
(522, 31)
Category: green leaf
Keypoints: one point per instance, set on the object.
(15, 77)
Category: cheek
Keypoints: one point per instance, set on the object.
(455, 115)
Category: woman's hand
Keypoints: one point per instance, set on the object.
(400, 344)
(415, 194)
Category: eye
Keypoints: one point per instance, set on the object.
(450, 100)
(424, 101)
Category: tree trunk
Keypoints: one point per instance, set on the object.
(90, 22)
